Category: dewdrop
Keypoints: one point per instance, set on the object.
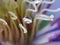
(14, 17)
(24, 29)
(26, 20)
(4, 22)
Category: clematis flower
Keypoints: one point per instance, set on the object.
(20, 20)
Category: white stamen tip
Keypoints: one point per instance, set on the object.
(28, 21)
(14, 17)
(44, 17)
(52, 16)
(4, 22)
(24, 29)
